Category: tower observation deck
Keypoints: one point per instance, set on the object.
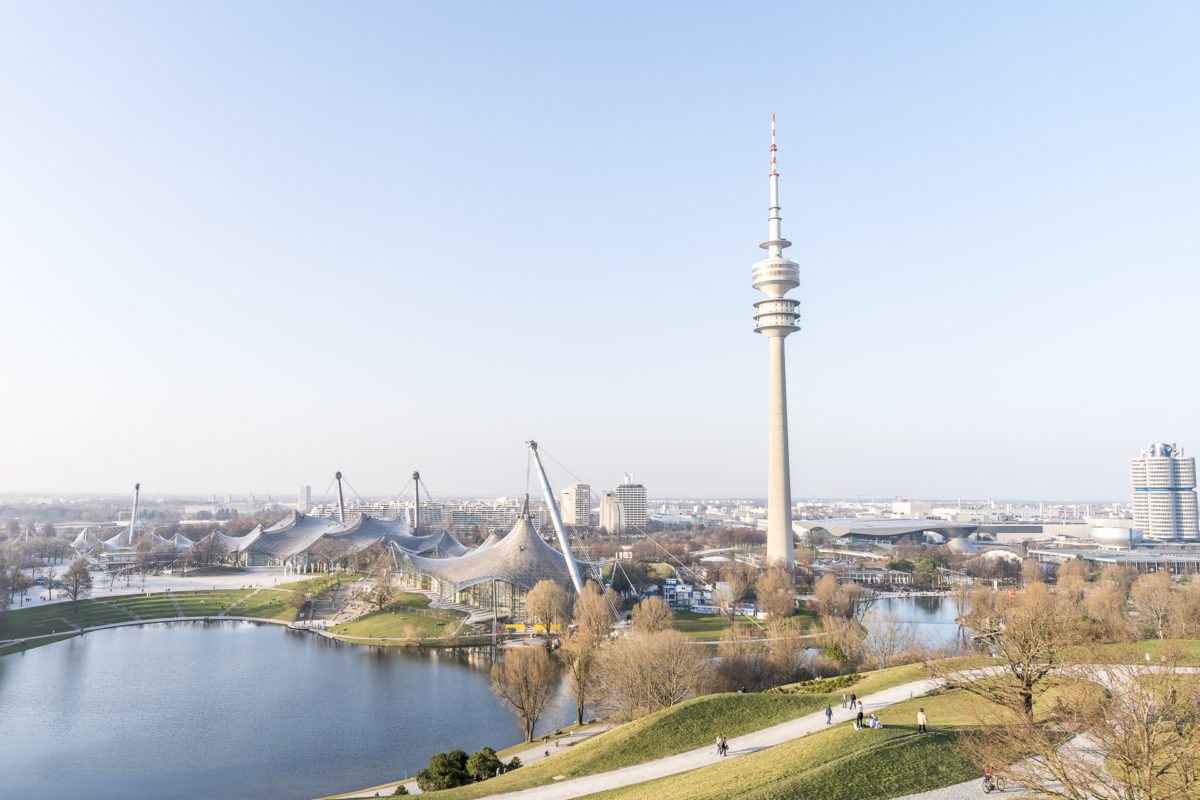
(775, 317)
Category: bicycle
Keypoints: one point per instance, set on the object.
(991, 782)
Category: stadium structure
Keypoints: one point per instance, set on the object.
(496, 576)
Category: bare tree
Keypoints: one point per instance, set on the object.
(579, 655)
(594, 610)
(738, 579)
(1152, 595)
(825, 596)
(1075, 568)
(1032, 572)
(648, 671)
(652, 614)
(76, 582)
(526, 680)
(51, 582)
(849, 601)
(1105, 607)
(1119, 731)
(18, 583)
(1029, 634)
(776, 594)
(887, 638)
(1187, 610)
(548, 605)
(383, 588)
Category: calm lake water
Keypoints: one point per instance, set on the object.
(931, 618)
(184, 711)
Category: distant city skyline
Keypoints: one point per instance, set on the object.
(244, 246)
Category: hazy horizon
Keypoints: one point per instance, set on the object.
(249, 244)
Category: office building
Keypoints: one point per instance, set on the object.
(304, 499)
(1164, 493)
(610, 513)
(576, 506)
(631, 497)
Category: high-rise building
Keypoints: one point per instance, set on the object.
(632, 499)
(1164, 493)
(576, 506)
(610, 513)
(304, 498)
(776, 317)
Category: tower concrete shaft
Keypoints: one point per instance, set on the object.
(779, 473)
(776, 317)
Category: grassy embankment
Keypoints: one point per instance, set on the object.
(693, 724)
(673, 730)
(408, 617)
(711, 627)
(839, 763)
(57, 618)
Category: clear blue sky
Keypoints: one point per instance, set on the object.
(243, 245)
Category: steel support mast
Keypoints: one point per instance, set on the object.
(556, 519)
(341, 499)
(417, 504)
(137, 490)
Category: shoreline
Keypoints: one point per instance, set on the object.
(361, 641)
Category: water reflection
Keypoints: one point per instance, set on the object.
(236, 710)
(933, 619)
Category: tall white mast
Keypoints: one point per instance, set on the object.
(137, 490)
(341, 498)
(776, 318)
(554, 516)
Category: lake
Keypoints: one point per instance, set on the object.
(932, 619)
(184, 711)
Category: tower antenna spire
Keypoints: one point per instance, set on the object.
(774, 172)
(776, 317)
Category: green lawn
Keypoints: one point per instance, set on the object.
(42, 619)
(398, 624)
(266, 604)
(673, 730)
(836, 764)
(408, 618)
(706, 627)
(210, 604)
(158, 606)
(1188, 650)
(98, 612)
(711, 627)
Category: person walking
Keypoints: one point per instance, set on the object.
(829, 715)
(858, 721)
(853, 697)
(843, 699)
(922, 721)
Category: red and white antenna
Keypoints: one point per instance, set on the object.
(773, 172)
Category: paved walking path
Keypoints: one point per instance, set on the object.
(967, 790)
(704, 756)
(531, 755)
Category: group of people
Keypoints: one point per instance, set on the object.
(861, 721)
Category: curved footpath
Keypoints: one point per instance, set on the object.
(750, 743)
(704, 756)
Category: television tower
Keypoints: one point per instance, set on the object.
(776, 317)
